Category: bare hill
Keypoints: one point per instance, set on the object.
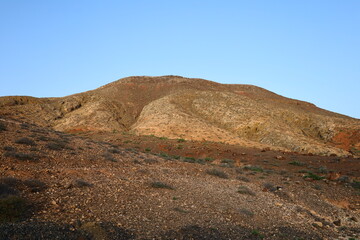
(195, 109)
(55, 185)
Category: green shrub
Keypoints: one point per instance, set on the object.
(217, 173)
(254, 168)
(208, 159)
(297, 163)
(313, 176)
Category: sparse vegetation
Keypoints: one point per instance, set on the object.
(25, 141)
(109, 157)
(181, 140)
(227, 163)
(322, 170)
(313, 176)
(161, 185)
(114, 150)
(208, 159)
(147, 150)
(245, 190)
(297, 163)
(269, 187)
(57, 146)
(246, 212)
(254, 168)
(244, 179)
(9, 149)
(217, 173)
(22, 156)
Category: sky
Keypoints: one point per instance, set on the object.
(307, 50)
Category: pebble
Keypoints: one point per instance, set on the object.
(318, 224)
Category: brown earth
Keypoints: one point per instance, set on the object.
(124, 186)
(195, 109)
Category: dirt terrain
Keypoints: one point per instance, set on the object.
(177, 158)
(56, 185)
(194, 109)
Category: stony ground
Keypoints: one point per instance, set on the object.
(120, 186)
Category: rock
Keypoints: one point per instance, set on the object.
(279, 157)
(317, 224)
(337, 222)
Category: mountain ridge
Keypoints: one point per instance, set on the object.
(195, 109)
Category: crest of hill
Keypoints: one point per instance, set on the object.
(195, 109)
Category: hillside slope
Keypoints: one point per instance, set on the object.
(196, 109)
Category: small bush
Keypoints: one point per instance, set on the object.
(244, 179)
(147, 149)
(10, 181)
(9, 149)
(217, 173)
(150, 161)
(12, 209)
(57, 146)
(6, 190)
(25, 141)
(313, 176)
(109, 157)
(322, 170)
(2, 127)
(246, 212)
(114, 150)
(22, 156)
(161, 185)
(181, 140)
(208, 159)
(245, 190)
(189, 159)
(24, 126)
(35, 185)
(228, 161)
(297, 163)
(254, 168)
(269, 187)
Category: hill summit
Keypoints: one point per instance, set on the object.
(194, 109)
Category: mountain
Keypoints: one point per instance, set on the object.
(194, 109)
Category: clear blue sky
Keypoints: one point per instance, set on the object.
(307, 50)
